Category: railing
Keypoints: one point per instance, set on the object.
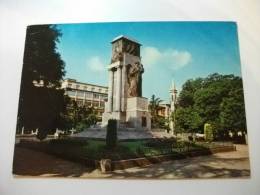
(181, 148)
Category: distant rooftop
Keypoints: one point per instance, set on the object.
(75, 81)
(164, 103)
(125, 37)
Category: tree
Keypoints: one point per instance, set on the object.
(217, 100)
(186, 96)
(209, 97)
(188, 120)
(232, 115)
(41, 100)
(82, 117)
(154, 107)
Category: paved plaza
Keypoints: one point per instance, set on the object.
(220, 165)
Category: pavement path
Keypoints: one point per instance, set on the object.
(220, 165)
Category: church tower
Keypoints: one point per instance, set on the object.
(173, 102)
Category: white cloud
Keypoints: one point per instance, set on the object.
(96, 64)
(150, 55)
(172, 58)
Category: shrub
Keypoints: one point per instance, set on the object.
(208, 132)
(111, 137)
(190, 137)
(69, 141)
(42, 134)
(160, 142)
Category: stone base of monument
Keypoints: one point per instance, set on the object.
(136, 116)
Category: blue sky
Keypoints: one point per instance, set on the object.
(170, 50)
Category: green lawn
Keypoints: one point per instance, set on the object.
(96, 149)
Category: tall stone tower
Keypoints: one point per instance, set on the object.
(173, 101)
(125, 102)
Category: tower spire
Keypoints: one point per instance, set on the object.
(173, 95)
(173, 85)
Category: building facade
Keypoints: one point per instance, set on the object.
(86, 94)
(95, 96)
(164, 110)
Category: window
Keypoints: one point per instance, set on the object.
(80, 102)
(71, 93)
(96, 96)
(80, 94)
(102, 104)
(69, 85)
(95, 104)
(103, 97)
(77, 86)
(88, 95)
(88, 103)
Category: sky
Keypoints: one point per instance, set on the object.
(170, 51)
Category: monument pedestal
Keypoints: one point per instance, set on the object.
(137, 114)
(135, 117)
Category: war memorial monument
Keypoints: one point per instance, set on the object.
(125, 102)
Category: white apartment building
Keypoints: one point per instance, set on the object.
(86, 94)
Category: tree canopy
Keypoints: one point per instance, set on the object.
(216, 99)
(154, 105)
(41, 99)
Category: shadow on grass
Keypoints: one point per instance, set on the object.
(34, 163)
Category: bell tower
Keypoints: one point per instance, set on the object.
(173, 102)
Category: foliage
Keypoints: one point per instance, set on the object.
(158, 142)
(70, 141)
(81, 117)
(163, 123)
(188, 120)
(186, 97)
(111, 137)
(232, 115)
(208, 132)
(41, 101)
(154, 107)
(216, 99)
(78, 149)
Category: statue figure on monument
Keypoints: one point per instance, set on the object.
(116, 55)
(134, 77)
